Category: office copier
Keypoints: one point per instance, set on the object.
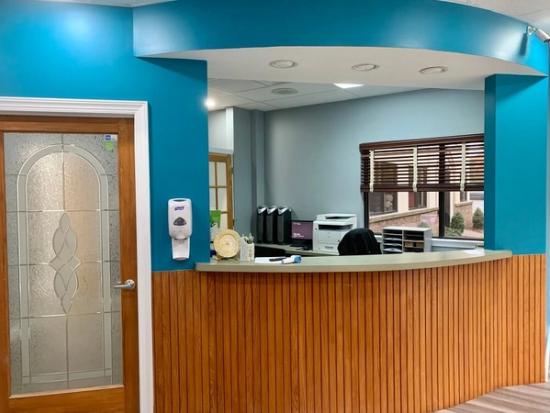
(329, 229)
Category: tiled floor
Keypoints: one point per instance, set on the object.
(534, 398)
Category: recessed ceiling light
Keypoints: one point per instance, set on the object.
(284, 91)
(210, 103)
(283, 64)
(365, 67)
(433, 70)
(347, 85)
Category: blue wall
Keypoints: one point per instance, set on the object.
(516, 128)
(67, 50)
(427, 24)
(317, 147)
(77, 51)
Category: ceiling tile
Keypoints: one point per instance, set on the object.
(371, 90)
(302, 88)
(268, 83)
(311, 99)
(325, 93)
(233, 85)
(257, 106)
(225, 100)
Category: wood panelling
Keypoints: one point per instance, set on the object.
(402, 341)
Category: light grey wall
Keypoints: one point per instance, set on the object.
(258, 160)
(312, 158)
(242, 170)
(219, 137)
(241, 133)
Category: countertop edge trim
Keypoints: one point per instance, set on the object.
(309, 268)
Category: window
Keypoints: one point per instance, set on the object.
(419, 182)
(463, 218)
(221, 189)
(417, 200)
(382, 202)
(404, 214)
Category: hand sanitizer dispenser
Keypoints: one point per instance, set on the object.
(180, 227)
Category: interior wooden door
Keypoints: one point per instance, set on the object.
(68, 299)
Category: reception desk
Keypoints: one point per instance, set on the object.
(399, 333)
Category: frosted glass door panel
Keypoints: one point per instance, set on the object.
(63, 252)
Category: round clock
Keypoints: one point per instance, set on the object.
(227, 243)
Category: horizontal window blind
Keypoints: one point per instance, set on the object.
(454, 163)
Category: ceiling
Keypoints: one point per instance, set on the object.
(259, 95)
(397, 66)
(536, 12)
(253, 79)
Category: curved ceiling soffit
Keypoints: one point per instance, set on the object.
(167, 29)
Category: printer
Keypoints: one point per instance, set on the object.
(329, 229)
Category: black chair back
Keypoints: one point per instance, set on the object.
(359, 241)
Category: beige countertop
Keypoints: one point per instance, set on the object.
(363, 263)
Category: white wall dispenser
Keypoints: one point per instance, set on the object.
(180, 227)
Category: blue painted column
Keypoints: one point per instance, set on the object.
(516, 128)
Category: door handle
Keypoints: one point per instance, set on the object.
(126, 285)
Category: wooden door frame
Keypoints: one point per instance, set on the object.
(138, 111)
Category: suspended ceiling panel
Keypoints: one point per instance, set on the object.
(261, 95)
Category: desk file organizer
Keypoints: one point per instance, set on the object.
(396, 240)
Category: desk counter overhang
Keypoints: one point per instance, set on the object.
(364, 263)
